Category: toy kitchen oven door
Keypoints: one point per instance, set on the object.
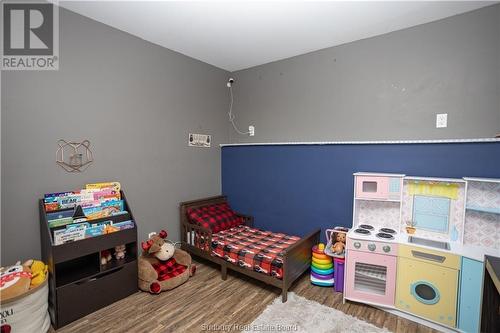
(371, 272)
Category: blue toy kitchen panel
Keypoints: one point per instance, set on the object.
(431, 213)
(394, 185)
(470, 296)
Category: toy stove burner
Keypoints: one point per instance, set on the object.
(366, 226)
(384, 235)
(362, 231)
(387, 230)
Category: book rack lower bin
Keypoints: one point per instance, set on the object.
(83, 297)
(79, 283)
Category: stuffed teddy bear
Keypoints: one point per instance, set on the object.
(339, 246)
(120, 252)
(162, 266)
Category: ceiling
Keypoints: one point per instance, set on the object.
(239, 34)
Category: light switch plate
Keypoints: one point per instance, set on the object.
(441, 120)
(199, 140)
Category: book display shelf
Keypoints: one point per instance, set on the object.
(78, 283)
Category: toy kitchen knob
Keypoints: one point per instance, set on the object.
(357, 245)
(386, 248)
(371, 247)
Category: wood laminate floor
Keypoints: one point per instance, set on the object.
(207, 300)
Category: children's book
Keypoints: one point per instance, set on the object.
(69, 235)
(80, 224)
(114, 185)
(60, 222)
(51, 206)
(59, 215)
(124, 225)
(106, 208)
(51, 197)
(72, 200)
(97, 229)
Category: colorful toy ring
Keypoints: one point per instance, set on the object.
(317, 251)
(322, 277)
(322, 261)
(320, 256)
(322, 266)
(322, 271)
(322, 283)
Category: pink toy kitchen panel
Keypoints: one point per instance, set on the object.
(371, 277)
(372, 187)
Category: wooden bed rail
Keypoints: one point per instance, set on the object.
(196, 236)
(297, 260)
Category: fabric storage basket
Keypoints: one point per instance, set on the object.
(26, 313)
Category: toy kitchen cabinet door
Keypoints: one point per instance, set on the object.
(470, 295)
(427, 290)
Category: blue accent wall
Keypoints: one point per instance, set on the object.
(295, 188)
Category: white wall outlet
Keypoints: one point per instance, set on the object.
(251, 130)
(199, 140)
(441, 120)
(151, 234)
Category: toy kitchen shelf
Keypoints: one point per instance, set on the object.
(491, 210)
(78, 283)
(483, 195)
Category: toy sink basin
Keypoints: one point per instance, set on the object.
(429, 242)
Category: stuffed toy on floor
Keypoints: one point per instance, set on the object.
(162, 266)
(24, 294)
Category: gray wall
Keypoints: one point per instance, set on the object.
(386, 87)
(136, 102)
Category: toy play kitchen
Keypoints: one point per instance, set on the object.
(417, 246)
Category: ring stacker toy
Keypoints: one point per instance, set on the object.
(321, 267)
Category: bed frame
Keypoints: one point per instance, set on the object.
(296, 259)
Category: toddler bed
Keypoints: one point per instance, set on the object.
(211, 230)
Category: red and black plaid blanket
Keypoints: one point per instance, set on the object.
(168, 269)
(217, 217)
(254, 249)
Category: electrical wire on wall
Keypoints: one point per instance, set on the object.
(231, 114)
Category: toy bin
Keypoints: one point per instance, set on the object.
(338, 274)
(332, 238)
(27, 312)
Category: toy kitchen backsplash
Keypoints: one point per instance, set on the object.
(379, 213)
(479, 228)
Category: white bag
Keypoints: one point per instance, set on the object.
(28, 312)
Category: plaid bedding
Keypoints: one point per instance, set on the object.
(168, 269)
(217, 217)
(254, 249)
